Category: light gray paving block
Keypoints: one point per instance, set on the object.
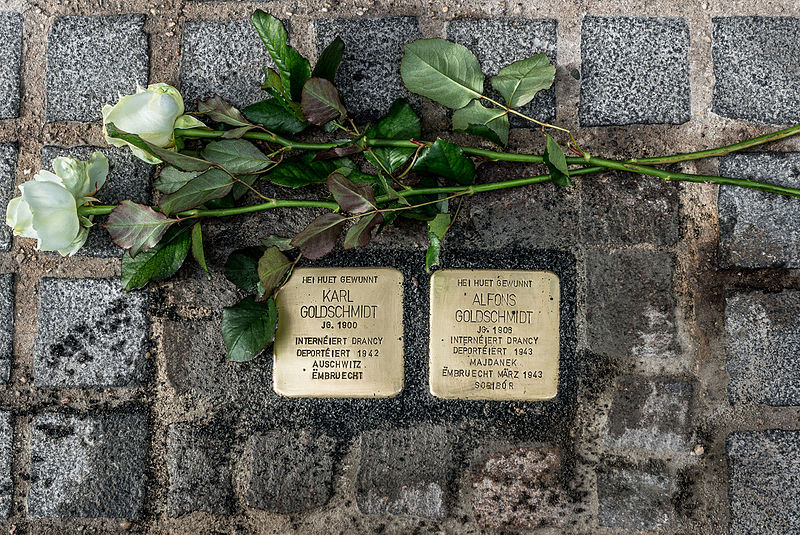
(762, 333)
(633, 499)
(8, 172)
(7, 324)
(88, 465)
(11, 52)
(6, 483)
(90, 61)
(755, 69)
(128, 178)
(90, 334)
(498, 42)
(369, 76)
(764, 482)
(634, 70)
(225, 58)
(758, 229)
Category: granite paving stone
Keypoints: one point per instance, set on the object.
(199, 470)
(755, 69)
(758, 229)
(762, 333)
(128, 178)
(11, 52)
(90, 334)
(635, 70)
(90, 61)
(6, 484)
(630, 304)
(8, 172)
(499, 42)
(764, 482)
(650, 414)
(406, 471)
(225, 58)
(369, 75)
(634, 499)
(7, 322)
(290, 472)
(90, 465)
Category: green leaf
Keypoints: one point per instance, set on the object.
(320, 102)
(241, 269)
(437, 227)
(446, 159)
(491, 124)
(239, 189)
(520, 81)
(556, 163)
(329, 60)
(293, 68)
(360, 234)
(319, 237)
(302, 170)
(248, 327)
(350, 196)
(400, 123)
(213, 184)
(222, 111)
(445, 72)
(236, 156)
(136, 227)
(272, 268)
(197, 248)
(183, 162)
(283, 244)
(170, 179)
(160, 262)
(274, 117)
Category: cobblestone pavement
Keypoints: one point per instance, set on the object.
(679, 409)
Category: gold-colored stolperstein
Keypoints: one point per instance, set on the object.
(340, 333)
(494, 334)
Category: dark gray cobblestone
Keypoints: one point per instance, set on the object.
(90, 61)
(7, 322)
(88, 466)
(290, 472)
(369, 76)
(199, 470)
(128, 178)
(90, 334)
(635, 499)
(6, 485)
(223, 57)
(498, 42)
(763, 340)
(634, 70)
(764, 482)
(8, 172)
(755, 69)
(758, 229)
(11, 52)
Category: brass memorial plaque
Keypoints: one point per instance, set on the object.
(340, 333)
(494, 334)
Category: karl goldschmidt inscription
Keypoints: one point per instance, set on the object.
(494, 334)
(340, 333)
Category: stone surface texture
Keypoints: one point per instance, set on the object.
(6, 483)
(633, 499)
(11, 52)
(7, 329)
(8, 169)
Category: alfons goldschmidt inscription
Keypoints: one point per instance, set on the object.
(494, 334)
(340, 333)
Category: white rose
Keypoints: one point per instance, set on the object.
(153, 114)
(48, 207)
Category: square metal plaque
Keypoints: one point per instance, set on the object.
(494, 334)
(340, 333)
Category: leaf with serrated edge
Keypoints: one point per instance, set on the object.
(241, 269)
(275, 117)
(437, 227)
(351, 197)
(320, 102)
(170, 179)
(198, 252)
(447, 160)
(302, 170)
(360, 234)
(445, 72)
(248, 327)
(160, 262)
(283, 244)
(213, 184)
(329, 60)
(520, 81)
(293, 68)
(136, 227)
(556, 163)
(272, 267)
(400, 123)
(491, 124)
(319, 237)
(222, 111)
(183, 162)
(236, 156)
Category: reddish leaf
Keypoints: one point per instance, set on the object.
(222, 111)
(360, 234)
(272, 267)
(320, 102)
(337, 152)
(355, 198)
(136, 227)
(319, 237)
